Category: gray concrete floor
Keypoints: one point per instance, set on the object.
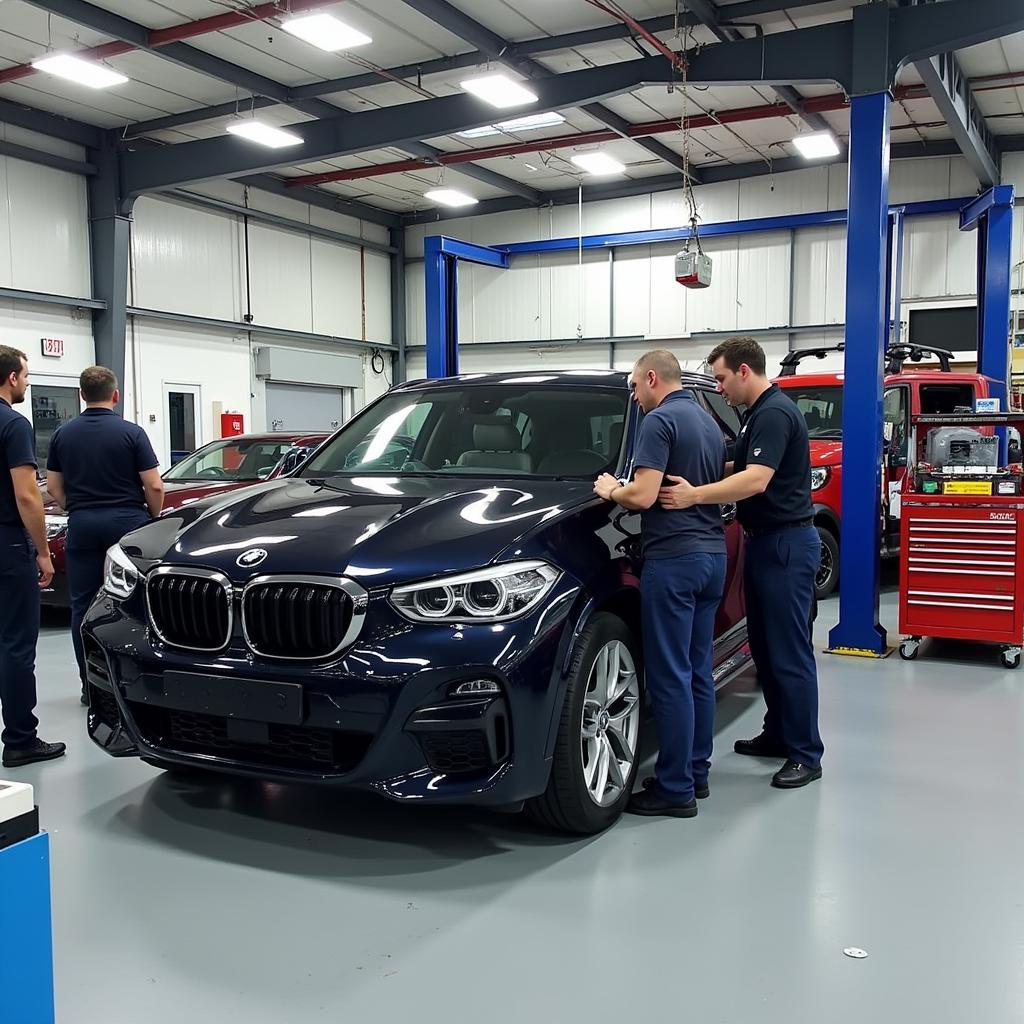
(180, 902)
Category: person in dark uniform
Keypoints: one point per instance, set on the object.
(102, 470)
(770, 479)
(681, 584)
(25, 568)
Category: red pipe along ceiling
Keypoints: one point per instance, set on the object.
(158, 37)
(817, 105)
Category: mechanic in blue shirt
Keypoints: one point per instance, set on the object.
(103, 471)
(681, 584)
(25, 568)
(770, 479)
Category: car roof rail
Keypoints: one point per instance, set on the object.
(792, 360)
(899, 354)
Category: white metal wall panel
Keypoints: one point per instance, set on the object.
(572, 307)
(669, 309)
(763, 276)
(633, 301)
(339, 222)
(961, 259)
(804, 191)
(378, 297)
(415, 305)
(507, 303)
(615, 215)
(336, 290)
(187, 260)
(838, 186)
(819, 276)
(715, 203)
(49, 229)
(6, 255)
(913, 181)
(925, 243)
(281, 278)
(716, 308)
(44, 143)
(23, 325)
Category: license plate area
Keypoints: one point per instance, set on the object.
(253, 700)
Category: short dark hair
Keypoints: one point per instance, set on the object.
(663, 363)
(10, 362)
(736, 352)
(98, 384)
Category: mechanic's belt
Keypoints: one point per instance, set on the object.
(762, 531)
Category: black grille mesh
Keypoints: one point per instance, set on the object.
(190, 611)
(296, 620)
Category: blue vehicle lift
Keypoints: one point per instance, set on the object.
(874, 241)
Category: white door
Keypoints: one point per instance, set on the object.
(305, 407)
(183, 421)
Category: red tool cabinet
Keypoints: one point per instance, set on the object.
(961, 559)
(962, 571)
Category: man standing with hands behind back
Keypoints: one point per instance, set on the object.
(770, 480)
(681, 584)
(103, 471)
(25, 568)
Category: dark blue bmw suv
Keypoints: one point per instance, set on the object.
(435, 606)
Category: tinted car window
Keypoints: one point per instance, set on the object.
(725, 415)
(822, 408)
(230, 460)
(484, 430)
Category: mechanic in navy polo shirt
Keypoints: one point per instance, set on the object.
(25, 568)
(103, 471)
(681, 584)
(770, 480)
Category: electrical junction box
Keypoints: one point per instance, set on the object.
(693, 269)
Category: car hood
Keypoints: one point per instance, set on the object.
(379, 530)
(178, 494)
(826, 453)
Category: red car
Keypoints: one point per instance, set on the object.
(219, 466)
(907, 393)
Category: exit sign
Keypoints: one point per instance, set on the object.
(53, 347)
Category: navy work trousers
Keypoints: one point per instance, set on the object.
(91, 531)
(679, 598)
(19, 631)
(779, 573)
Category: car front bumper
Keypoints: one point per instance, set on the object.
(383, 717)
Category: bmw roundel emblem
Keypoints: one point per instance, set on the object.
(247, 559)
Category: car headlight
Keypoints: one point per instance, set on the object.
(120, 577)
(819, 477)
(496, 594)
(55, 526)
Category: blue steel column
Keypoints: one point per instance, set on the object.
(995, 260)
(109, 243)
(867, 316)
(440, 272)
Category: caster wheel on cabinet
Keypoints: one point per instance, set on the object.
(909, 649)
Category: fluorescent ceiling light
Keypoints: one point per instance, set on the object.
(817, 145)
(264, 134)
(325, 31)
(499, 91)
(81, 72)
(450, 197)
(598, 163)
(519, 124)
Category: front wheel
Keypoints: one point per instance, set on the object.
(827, 578)
(596, 752)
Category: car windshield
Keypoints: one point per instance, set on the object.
(233, 459)
(512, 428)
(822, 408)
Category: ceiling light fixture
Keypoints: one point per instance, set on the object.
(450, 197)
(817, 145)
(519, 124)
(598, 163)
(499, 90)
(79, 71)
(325, 31)
(264, 134)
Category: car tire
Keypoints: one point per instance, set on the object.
(567, 804)
(827, 578)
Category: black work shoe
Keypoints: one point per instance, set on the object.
(760, 746)
(793, 775)
(648, 802)
(700, 790)
(17, 757)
